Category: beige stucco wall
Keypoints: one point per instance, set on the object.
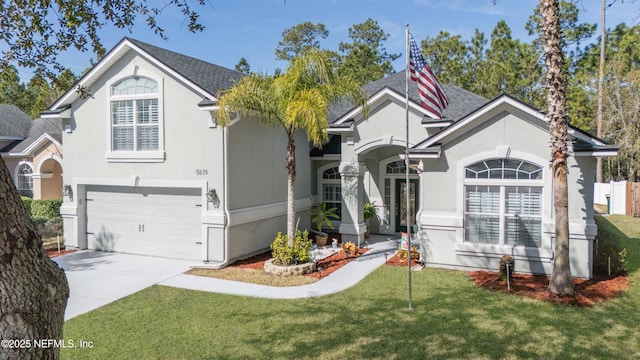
(48, 182)
(46, 163)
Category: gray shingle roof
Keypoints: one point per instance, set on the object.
(461, 102)
(39, 127)
(210, 77)
(13, 122)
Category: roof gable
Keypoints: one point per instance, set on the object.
(203, 77)
(462, 102)
(42, 131)
(512, 105)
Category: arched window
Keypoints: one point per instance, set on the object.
(135, 117)
(503, 203)
(331, 187)
(398, 167)
(25, 180)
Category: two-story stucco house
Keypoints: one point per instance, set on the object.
(152, 173)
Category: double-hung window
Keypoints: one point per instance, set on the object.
(503, 203)
(135, 119)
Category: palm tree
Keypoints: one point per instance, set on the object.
(561, 282)
(299, 98)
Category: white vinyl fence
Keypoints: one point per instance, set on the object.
(617, 191)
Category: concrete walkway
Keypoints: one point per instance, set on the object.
(342, 279)
(98, 278)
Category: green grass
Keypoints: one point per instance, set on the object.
(451, 319)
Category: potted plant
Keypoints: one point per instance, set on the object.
(321, 216)
(368, 212)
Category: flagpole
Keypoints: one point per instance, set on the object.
(406, 160)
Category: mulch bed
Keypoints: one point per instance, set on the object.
(328, 264)
(589, 292)
(55, 253)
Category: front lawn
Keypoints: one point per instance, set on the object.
(451, 319)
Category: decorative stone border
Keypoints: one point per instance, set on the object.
(279, 270)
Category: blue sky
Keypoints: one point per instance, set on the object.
(252, 28)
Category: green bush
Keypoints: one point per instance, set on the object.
(285, 255)
(27, 203)
(50, 227)
(609, 248)
(39, 220)
(47, 208)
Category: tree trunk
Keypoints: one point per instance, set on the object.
(291, 195)
(33, 289)
(561, 281)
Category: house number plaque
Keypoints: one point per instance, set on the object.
(202, 172)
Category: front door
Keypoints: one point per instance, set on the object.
(401, 203)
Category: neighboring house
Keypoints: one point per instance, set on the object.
(152, 173)
(32, 151)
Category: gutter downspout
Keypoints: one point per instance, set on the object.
(225, 192)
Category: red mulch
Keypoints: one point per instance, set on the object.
(589, 292)
(395, 260)
(328, 264)
(55, 253)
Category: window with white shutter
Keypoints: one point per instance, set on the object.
(503, 203)
(135, 119)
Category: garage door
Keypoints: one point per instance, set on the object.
(162, 222)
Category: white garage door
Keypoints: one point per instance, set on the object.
(162, 222)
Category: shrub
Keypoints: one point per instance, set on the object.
(48, 228)
(350, 248)
(47, 208)
(285, 255)
(27, 203)
(618, 258)
(415, 255)
(609, 246)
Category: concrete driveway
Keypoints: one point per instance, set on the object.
(97, 278)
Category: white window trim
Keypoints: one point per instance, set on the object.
(135, 156)
(502, 184)
(17, 175)
(502, 215)
(544, 252)
(322, 181)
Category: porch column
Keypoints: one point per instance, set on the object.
(353, 226)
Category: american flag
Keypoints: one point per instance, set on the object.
(432, 95)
